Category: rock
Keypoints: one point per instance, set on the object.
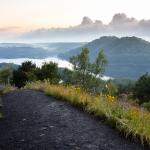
(22, 140)
(43, 128)
(42, 135)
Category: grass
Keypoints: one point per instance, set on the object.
(132, 121)
(8, 88)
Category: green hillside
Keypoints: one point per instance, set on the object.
(129, 57)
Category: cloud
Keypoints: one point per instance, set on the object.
(122, 19)
(9, 29)
(86, 21)
(120, 25)
(9, 34)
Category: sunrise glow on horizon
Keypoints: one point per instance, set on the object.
(23, 15)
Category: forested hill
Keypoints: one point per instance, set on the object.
(129, 57)
(34, 50)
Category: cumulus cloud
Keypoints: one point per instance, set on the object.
(86, 21)
(122, 19)
(120, 25)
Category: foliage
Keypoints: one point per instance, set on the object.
(146, 106)
(28, 72)
(19, 78)
(5, 75)
(81, 66)
(124, 85)
(67, 76)
(25, 73)
(131, 120)
(110, 88)
(48, 71)
(8, 88)
(98, 67)
(85, 73)
(142, 88)
(27, 66)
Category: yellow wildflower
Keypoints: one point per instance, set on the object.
(110, 98)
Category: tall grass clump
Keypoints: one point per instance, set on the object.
(132, 121)
(8, 88)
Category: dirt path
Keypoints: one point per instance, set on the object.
(34, 121)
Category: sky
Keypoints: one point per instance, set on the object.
(32, 14)
(23, 16)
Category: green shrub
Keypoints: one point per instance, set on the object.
(48, 71)
(28, 72)
(124, 85)
(142, 88)
(146, 106)
(6, 75)
(24, 74)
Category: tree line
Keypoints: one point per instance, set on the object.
(84, 73)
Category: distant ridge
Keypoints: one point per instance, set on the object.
(8, 65)
(129, 57)
(34, 50)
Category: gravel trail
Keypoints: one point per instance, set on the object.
(34, 121)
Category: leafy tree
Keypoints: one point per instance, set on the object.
(97, 70)
(19, 78)
(25, 73)
(48, 71)
(142, 88)
(98, 67)
(67, 76)
(29, 69)
(81, 66)
(85, 73)
(6, 75)
(27, 66)
(29, 72)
